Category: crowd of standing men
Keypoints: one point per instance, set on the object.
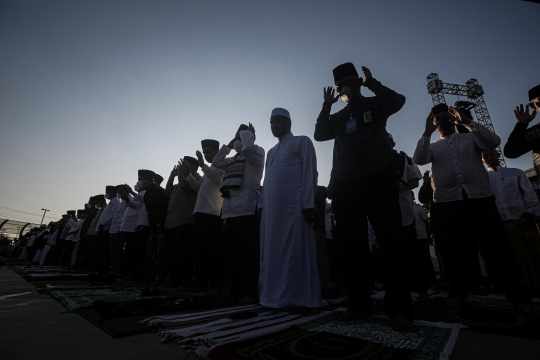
(287, 246)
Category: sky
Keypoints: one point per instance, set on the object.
(92, 91)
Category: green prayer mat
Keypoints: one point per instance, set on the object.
(74, 299)
(297, 343)
(487, 315)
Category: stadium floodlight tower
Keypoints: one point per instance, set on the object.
(472, 90)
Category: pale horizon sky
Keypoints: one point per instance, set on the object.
(92, 91)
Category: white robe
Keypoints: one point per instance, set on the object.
(288, 272)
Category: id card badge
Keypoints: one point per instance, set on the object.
(367, 117)
(350, 126)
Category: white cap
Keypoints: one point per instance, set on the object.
(281, 112)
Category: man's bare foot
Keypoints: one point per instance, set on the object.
(528, 308)
(248, 300)
(402, 324)
(424, 297)
(453, 302)
(352, 314)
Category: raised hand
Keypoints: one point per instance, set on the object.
(523, 116)
(426, 177)
(251, 128)
(431, 125)
(367, 75)
(184, 167)
(175, 171)
(200, 158)
(329, 95)
(459, 117)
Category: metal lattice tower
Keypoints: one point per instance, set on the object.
(472, 90)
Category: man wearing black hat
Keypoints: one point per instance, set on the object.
(92, 233)
(103, 227)
(83, 252)
(240, 190)
(156, 203)
(366, 171)
(179, 225)
(208, 225)
(523, 140)
(466, 211)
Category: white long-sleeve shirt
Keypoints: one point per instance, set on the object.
(131, 215)
(209, 198)
(456, 163)
(244, 200)
(106, 217)
(139, 203)
(410, 173)
(514, 194)
(118, 217)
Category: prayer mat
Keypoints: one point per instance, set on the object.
(200, 332)
(432, 340)
(54, 276)
(52, 283)
(487, 315)
(297, 343)
(118, 326)
(74, 299)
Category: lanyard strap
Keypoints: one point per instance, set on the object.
(351, 112)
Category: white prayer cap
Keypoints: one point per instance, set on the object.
(281, 112)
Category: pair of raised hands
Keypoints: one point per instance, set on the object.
(330, 93)
(458, 118)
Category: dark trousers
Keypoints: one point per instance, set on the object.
(180, 242)
(67, 252)
(375, 196)
(93, 243)
(102, 252)
(209, 257)
(58, 249)
(418, 250)
(118, 241)
(83, 253)
(471, 224)
(244, 245)
(142, 234)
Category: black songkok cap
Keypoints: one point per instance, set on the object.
(191, 160)
(122, 186)
(213, 144)
(81, 211)
(344, 70)
(99, 197)
(243, 127)
(149, 174)
(71, 212)
(158, 178)
(534, 92)
(110, 188)
(437, 109)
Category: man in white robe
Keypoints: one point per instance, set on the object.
(288, 272)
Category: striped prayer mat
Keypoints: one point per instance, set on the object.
(201, 332)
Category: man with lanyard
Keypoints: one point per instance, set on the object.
(366, 171)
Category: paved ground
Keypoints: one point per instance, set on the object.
(35, 326)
